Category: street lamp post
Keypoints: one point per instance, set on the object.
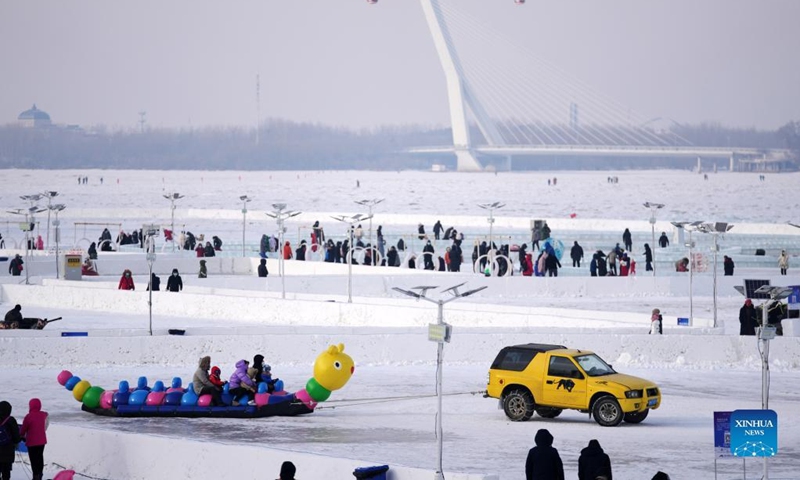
(50, 195)
(29, 219)
(173, 197)
(654, 207)
(351, 222)
(369, 204)
(56, 223)
(490, 254)
(151, 259)
(244, 199)
(280, 214)
(439, 332)
(766, 333)
(690, 227)
(715, 230)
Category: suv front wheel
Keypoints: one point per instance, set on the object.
(607, 412)
(518, 405)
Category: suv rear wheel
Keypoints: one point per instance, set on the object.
(518, 405)
(636, 417)
(607, 412)
(547, 412)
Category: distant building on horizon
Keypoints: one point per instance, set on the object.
(34, 118)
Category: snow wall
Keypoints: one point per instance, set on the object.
(155, 459)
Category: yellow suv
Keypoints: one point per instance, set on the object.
(550, 378)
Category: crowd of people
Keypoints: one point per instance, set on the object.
(242, 384)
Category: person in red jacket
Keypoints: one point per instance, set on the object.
(214, 377)
(126, 282)
(33, 432)
(287, 251)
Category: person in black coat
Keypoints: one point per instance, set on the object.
(421, 231)
(728, 266)
(747, 318)
(300, 252)
(8, 452)
(15, 266)
(208, 251)
(663, 241)
(155, 283)
(217, 243)
(437, 229)
(602, 268)
(648, 258)
(93, 251)
(551, 264)
(576, 254)
(626, 239)
(594, 463)
(391, 257)
(543, 461)
(455, 256)
(175, 283)
(428, 256)
(262, 268)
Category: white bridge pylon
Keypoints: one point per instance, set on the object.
(459, 94)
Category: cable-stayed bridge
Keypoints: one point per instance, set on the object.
(524, 105)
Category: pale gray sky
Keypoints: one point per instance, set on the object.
(344, 62)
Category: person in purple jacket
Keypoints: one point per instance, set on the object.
(240, 384)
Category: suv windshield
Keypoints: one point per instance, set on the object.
(594, 366)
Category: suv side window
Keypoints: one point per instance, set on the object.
(563, 367)
(515, 360)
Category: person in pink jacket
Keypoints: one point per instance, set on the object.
(33, 432)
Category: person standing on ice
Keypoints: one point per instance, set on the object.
(126, 282)
(663, 241)
(203, 270)
(747, 318)
(543, 461)
(175, 282)
(15, 266)
(626, 239)
(576, 254)
(656, 322)
(421, 231)
(648, 258)
(437, 229)
(262, 268)
(545, 233)
(594, 463)
(427, 254)
(33, 432)
(612, 261)
(783, 262)
(728, 265)
(11, 427)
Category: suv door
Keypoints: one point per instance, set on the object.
(564, 384)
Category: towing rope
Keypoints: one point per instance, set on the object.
(375, 400)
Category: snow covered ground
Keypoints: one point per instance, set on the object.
(230, 316)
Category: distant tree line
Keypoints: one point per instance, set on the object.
(286, 145)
